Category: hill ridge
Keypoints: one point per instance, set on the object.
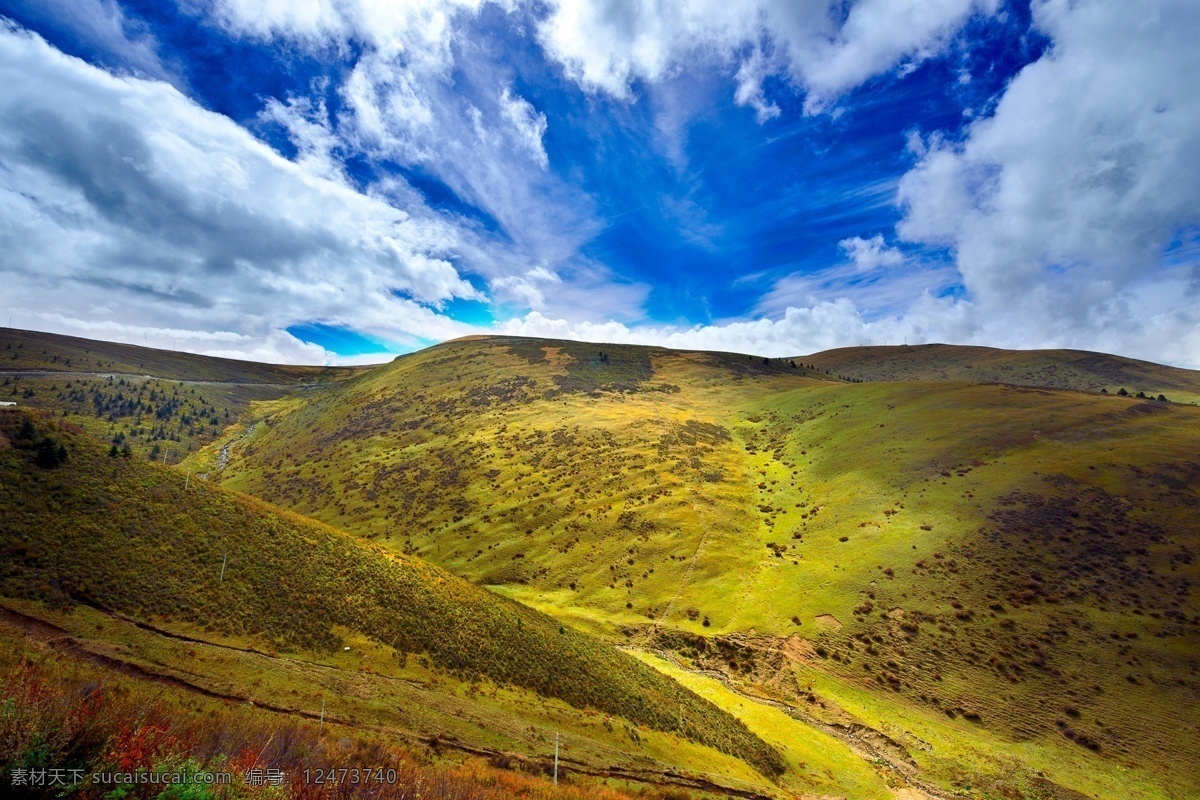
(123, 535)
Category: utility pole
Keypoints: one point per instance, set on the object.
(222, 580)
(187, 481)
(321, 724)
(556, 759)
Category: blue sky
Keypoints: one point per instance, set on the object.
(334, 180)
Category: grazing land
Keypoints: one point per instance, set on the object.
(875, 572)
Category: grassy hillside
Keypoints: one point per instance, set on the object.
(1014, 563)
(115, 533)
(161, 404)
(62, 713)
(1059, 369)
(52, 352)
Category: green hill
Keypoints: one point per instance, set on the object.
(159, 403)
(33, 351)
(81, 527)
(1058, 369)
(1001, 576)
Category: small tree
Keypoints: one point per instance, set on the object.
(1122, 392)
(1162, 397)
(1142, 395)
(50, 454)
(113, 452)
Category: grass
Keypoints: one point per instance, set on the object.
(769, 499)
(999, 576)
(411, 702)
(57, 713)
(817, 761)
(124, 535)
(49, 352)
(1061, 369)
(162, 405)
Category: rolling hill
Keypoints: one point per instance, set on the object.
(1058, 369)
(137, 543)
(33, 351)
(935, 576)
(159, 403)
(1000, 576)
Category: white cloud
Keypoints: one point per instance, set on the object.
(1059, 205)
(421, 27)
(822, 45)
(311, 132)
(121, 200)
(750, 76)
(484, 142)
(117, 41)
(528, 124)
(875, 36)
(800, 330)
(871, 254)
(827, 47)
(526, 289)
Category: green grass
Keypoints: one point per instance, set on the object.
(50, 352)
(161, 404)
(762, 498)
(817, 761)
(58, 712)
(1061, 369)
(126, 535)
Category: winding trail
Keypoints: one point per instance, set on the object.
(865, 742)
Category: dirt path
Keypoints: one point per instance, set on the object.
(223, 453)
(865, 742)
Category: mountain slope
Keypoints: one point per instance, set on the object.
(981, 554)
(126, 536)
(1059, 369)
(161, 404)
(33, 351)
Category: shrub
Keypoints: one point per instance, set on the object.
(113, 537)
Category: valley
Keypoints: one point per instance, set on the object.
(902, 577)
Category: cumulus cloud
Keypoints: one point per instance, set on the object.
(871, 254)
(1058, 206)
(799, 330)
(124, 201)
(823, 46)
(128, 211)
